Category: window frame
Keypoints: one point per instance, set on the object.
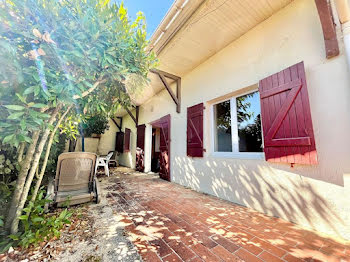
(234, 132)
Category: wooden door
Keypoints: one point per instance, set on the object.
(164, 146)
(140, 148)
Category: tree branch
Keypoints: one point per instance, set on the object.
(87, 92)
(49, 144)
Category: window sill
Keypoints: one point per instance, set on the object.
(240, 155)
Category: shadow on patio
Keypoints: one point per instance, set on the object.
(167, 222)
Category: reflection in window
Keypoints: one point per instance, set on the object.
(223, 136)
(249, 123)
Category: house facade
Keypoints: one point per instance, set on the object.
(250, 103)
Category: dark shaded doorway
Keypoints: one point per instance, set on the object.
(163, 125)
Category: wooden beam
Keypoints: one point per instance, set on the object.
(166, 85)
(329, 32)
(120, 125)
(178, 95)
(166, 74)
(176, 98)
(137, 115)
(134, 118)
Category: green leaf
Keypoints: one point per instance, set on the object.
(8, 138)
(29, 90)
(14, 237)
(39, 105)
(23, 124)
(15, 107)
(40, 122)
(27, 139)
(15, 115)
(26, 209)
(38, 219)
(23, 217)
(36, 77)
(21, 98)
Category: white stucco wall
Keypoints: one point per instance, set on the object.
(314, 196)
(128, 159)
(107, 140)
(101, 145)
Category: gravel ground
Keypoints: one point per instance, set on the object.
(95, 235)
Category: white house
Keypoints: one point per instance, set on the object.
(250, 103)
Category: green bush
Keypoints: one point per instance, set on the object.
(37, 226)
(8, 174)
(94, 125)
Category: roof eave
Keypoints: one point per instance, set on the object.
(176, 17)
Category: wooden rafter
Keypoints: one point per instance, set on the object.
(176, 97)
(329, 32)
(120, 125)
(136, 117)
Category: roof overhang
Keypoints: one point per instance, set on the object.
(194, 30)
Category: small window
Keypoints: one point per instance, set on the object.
(237, 125)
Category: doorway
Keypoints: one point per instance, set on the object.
(155, 154)
(140, 148)
(161, 147)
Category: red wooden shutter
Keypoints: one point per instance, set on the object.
(286, 117)
(127, 140)
(141, 136)
(119, 142)
(195, 130)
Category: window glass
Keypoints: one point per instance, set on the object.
(249, 123)
(223, 136)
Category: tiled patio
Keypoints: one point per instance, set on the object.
(168, 222)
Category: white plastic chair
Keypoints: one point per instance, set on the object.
(102, 161)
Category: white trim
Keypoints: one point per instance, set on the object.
(234, 132)
(234, 126)
(239, 155)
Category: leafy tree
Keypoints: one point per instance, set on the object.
(224, 112)
(57, 56)
(96, 124)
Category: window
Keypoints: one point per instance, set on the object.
(237, 125)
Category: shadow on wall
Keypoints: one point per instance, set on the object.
(272, 191)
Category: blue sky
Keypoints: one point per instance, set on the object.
(154, 11)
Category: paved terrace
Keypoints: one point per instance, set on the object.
(167, 222)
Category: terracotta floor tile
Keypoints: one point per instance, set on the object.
(204, 239)
(150, 257)
(196, 259)
(268, 257)
(172, 258)
(181, 250)
(247, 256)
(225, 243)
(204, 253)
(162, 248)
(224, 254)
(162, 218)
(290, 258)
(268, 247)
